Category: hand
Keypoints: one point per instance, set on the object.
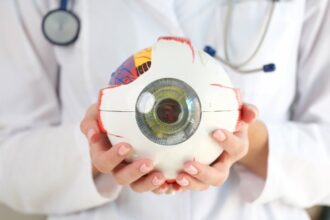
(139, 175)
(197, 176)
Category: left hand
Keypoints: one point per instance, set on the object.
(197, 176)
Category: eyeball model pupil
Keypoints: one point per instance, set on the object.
(168, 111)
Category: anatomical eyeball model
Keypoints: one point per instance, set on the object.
(165, 101)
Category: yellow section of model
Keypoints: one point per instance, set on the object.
(142, 57)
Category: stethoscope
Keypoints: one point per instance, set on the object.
(266, 68)
(61, 27)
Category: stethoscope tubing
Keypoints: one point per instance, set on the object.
(238, 67)
(226, 60)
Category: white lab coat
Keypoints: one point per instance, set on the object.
(45, 91)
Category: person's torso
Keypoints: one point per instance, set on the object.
(113, 30)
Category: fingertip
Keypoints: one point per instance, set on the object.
(177, 187)
(182, 180)
(219, 135)
(148, 162)
(146, 166)
(122, 148)
(249, 113)
(163, 188)
(92, 135)
(158, 179)
(254, 109)
(190, 168)
(242, 130)
(160, 175)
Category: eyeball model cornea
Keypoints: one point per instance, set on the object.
(165, 101)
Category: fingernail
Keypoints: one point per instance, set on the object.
(183, 181)
(191, 169)
(145, 168)
(219, 135)
(123, 149)
(157, 181)
(90, 133)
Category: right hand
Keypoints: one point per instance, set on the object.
(108, 158)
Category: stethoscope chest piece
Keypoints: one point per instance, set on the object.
(61, 27)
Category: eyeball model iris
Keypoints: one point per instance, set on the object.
(168, 111)
(166, 101)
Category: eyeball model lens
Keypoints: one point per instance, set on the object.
(173, 112)
(168, 111)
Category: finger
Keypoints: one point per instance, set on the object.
(168, 188)
(243, 132)
(249, 113)
(104, 158)
(188, 182)
(133, 171)
(89, 125)
(211, 175)
(162, 189)
(236, 144)
(223, 162)
(148, 183)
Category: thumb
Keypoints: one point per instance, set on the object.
(249, 113)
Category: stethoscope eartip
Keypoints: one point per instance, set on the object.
(210, 50)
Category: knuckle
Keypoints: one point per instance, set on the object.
(120, 180)
(83, 125)
(136, 188)
(102, 168)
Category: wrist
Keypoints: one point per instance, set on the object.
(257, 156)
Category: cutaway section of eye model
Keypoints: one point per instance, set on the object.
(166, 101)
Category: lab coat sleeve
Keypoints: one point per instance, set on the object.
(299, 149)
(45, 165)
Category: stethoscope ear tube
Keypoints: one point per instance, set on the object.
(267, 68)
